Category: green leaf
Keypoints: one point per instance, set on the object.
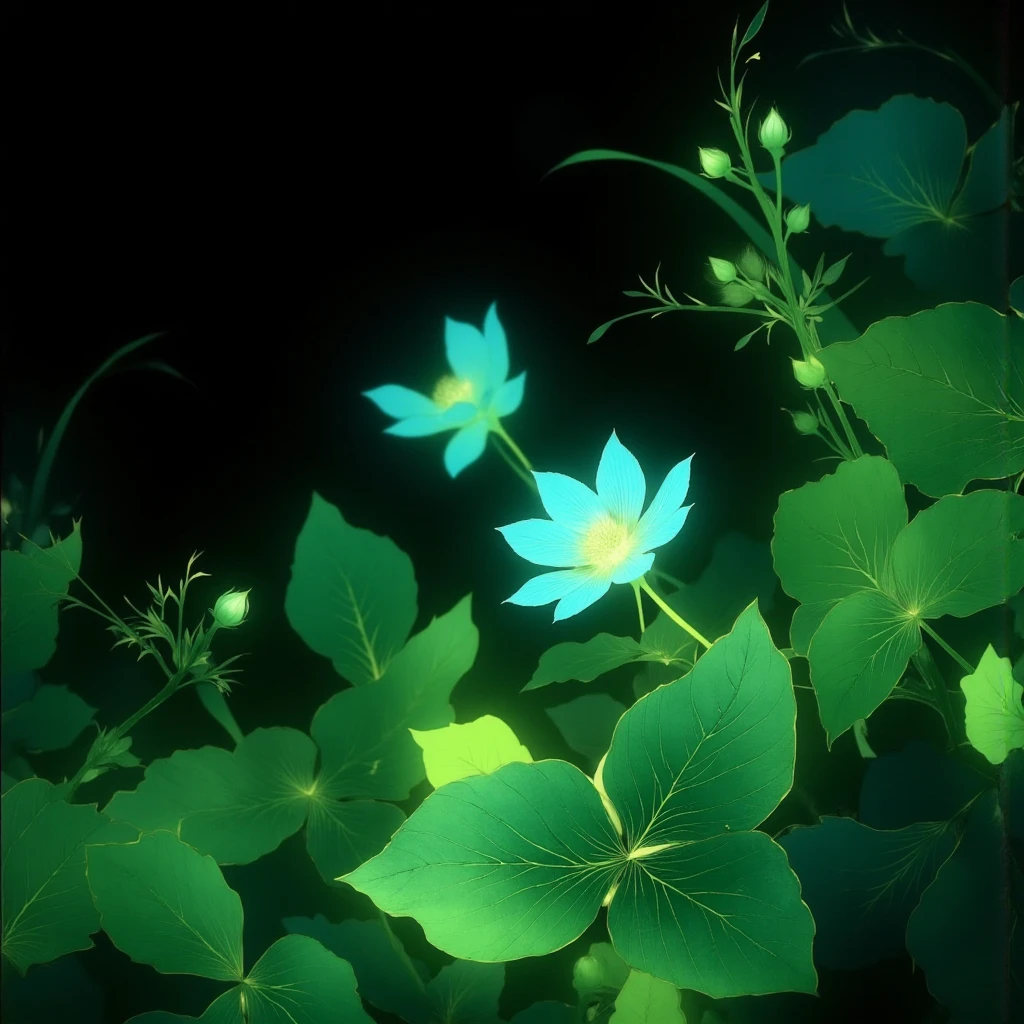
(587, 723)
(53, 719)
(752, 29)
(523, 858)
(965, 932)
(857, 656)
(832, 537)
(959, 556)
(168, 906)
(33, 583)
(47, 908)
(352, 595)
(363, 733)
(647, 1000)
(546, 1012)
(995, 715)
(466, 993)
(943, 390)
(476, 748)
(584, 662)
(217, 705)
(341, 834)
(236, 806)
(387, 978)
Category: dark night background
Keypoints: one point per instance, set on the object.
(298, 197)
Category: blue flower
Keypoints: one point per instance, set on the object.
(470, 400)
(596, 539)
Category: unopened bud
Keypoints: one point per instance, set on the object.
(804, 422)
(773, 134)
(231, 608)
(809, 373)
(736, 294)
(723, 270)
(715, 163)
(799, 218)
(751, 264)
(587, 975)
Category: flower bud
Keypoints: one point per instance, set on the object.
(773, 133)
(799, 218)
(810, 373)
(231, 608)
(751, 264)
(723, 270)
(715, 163)
(736, 294)
(804, 422)
(587, 975)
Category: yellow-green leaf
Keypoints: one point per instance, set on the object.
(476, 748)
(995, 716)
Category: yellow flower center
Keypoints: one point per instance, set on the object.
(606, 544)
(450, 390)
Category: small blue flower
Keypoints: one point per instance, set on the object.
(596, 539)
(470, 400)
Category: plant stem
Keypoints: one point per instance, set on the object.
(925, 664)
(840, 447)
(516, 450)
(513, 465)
(400, 950)
(962, 662)
(678, 584)
(682, 623)
(841, 413)
(639, 605)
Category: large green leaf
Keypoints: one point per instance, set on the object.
(832, 537)
(168, 906)
(52, 719)
(501, 866)
(943, 390)
(896, 173)
(464, 992)
(343, 833)
(352, 595)
(236, 806)
(47, 908)
(517, 863)
(647, 1000)
(995, 715)
(960, 556)
(475, 748)
(857, 656)
(363, 733)
(33, 583)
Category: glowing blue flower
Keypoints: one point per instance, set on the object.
(596, 539)
(470, 400)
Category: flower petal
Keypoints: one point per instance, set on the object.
(401, 402)
(544, 543)
(656, 526)
(509, 396)
(467, 353)
(465, 447)
(650, 537)
(633, 567)
(591, 589)
(497, 349)
(548, 587)
(568, 501)
(421, 426)
(620, 482)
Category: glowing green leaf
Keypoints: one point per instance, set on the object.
(647, 1000)
(960, 556)
(33, 583)
(832, 538)
(352, 595)
(862, 884)
(895, 173)
(995, 715)
(587, 723)
(857, 656)
(525, 856)
(943, 390)
(965, 932)
(476, 748)
(363, 733)
(47, 908)
(236, 805)
(53, 719)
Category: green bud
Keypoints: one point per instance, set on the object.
(799, 218)
(587, 975)
(804, 422)
(715, 163)
(810, 373)
(723, 270)
(751, 264)
(736, 294)
(231, 608)
(773, 133)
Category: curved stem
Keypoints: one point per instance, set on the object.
(513, 465)
(681, 623)
(515, 449)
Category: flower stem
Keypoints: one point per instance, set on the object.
(841, 413)
(645, 587)
(639, 605)
(514, 466)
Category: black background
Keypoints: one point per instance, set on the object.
(298, 196)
